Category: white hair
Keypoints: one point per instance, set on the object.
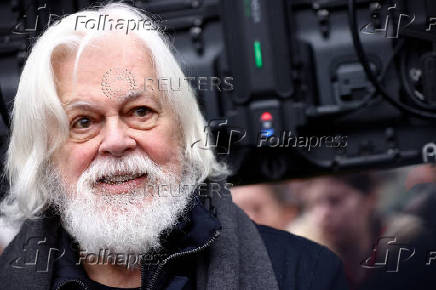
(40, 125)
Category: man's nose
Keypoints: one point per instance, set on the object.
(116, 141)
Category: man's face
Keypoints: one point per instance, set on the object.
(116, 124)
(119, 173)
(338, 209)
(259, 204)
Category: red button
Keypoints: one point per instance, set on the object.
(266, 116)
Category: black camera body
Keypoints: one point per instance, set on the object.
(289, 88)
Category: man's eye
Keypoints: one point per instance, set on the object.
(82, 123)
(141, 111)
(141, 117)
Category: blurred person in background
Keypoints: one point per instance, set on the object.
(413, 228)
(267, 204)
(421, 174)
(340, 213)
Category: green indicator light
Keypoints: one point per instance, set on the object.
(258, 54)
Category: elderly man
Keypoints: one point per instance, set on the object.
(104, 177)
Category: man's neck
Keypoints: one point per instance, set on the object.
(113, 275)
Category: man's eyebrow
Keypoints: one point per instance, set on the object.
(80, 104)
(91, 106)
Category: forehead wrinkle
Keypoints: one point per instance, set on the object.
(134, 95)
(131, 96)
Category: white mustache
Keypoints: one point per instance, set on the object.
(134, 164)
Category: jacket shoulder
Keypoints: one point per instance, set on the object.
(299, 263)
(26, 263)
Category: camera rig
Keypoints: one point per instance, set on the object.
(317, 86)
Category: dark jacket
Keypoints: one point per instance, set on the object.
(42, 257)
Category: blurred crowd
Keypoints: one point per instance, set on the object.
(357, 215)
(376, 222)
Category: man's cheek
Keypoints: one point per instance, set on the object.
(160, 149)
(161, 154)
(79, 157)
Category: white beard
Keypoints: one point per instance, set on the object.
(129, 222)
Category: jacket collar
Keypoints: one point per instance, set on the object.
(30, 258)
